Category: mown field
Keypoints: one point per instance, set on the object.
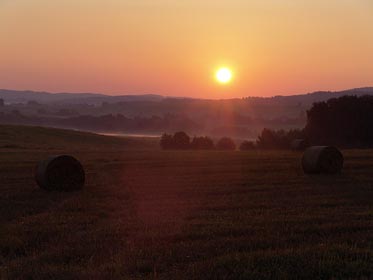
(152, 214)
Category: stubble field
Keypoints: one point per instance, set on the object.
(151, 214)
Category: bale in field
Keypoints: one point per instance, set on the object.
(322, 159)
(299, 144)
(60, 173)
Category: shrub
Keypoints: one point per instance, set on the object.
(226, 143)
(181, 140)
(167, 141)
(202, 143)
(277, 139)
(247, 145)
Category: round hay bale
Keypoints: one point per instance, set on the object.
(322, 159)
(299, 144)
(60, 173)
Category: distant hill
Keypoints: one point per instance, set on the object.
(155, 114)
(33, 137)
(15, 96)
(309, 98)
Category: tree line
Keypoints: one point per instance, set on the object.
(181, 141)
(346, 121)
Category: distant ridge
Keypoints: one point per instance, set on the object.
(154, 114)
(309, 98)
(16, 96)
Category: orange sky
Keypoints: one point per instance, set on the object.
(173, 47)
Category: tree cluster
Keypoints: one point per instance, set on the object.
(278, 139)
(346, 122)
(247, 145)
(181, 141)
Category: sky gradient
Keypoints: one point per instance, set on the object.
(171, 47)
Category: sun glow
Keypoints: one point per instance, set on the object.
(223, 75)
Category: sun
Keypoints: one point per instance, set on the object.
(224, 75)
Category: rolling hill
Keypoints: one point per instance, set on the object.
(17, 137)
(16, 96)
(155, 114)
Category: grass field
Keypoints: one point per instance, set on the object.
(152, 214)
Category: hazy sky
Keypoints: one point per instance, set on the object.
(173, 47)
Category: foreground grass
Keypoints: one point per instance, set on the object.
(185, 215)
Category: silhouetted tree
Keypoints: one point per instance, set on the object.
(278, 139)
(247, 145)
(181, 140)
(346, 121)
(270, 139)
(226, 143)
(167, 141)
(202, 143)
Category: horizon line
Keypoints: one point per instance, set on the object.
(185, 97)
